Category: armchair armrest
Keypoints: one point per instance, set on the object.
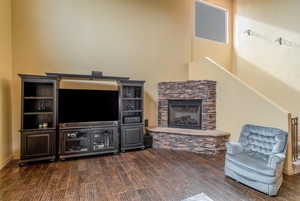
(275, 160)
(234, 148)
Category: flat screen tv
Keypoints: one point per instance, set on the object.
(87, 106)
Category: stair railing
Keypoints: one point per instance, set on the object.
(294, 124)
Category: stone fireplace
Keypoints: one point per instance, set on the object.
(185, 114)
(187, 118)
(190, 104)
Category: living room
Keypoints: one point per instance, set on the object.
(223, 66)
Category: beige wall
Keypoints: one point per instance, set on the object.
(5, 79)
(239, 104)
(220, 52)
(265, 65)
(146, 40)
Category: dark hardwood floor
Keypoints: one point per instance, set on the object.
(158, 175)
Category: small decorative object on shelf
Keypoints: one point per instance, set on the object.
(97, 74)
(128, 120)
(130, 93)
(130, 106)
(45, 125)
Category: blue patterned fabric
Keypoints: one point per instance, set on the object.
(257, 159)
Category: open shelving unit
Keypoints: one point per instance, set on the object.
(131, 114)
(38, 119)
(38, 104)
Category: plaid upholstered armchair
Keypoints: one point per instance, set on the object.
(257, 159)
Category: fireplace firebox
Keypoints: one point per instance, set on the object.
(204, 114)
(185, 114)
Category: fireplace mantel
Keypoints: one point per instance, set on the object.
(204, 90)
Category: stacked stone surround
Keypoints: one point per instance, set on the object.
(204, 142)
(189, 90)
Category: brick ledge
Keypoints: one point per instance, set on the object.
(193, 132)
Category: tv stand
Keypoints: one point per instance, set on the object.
(87, 139)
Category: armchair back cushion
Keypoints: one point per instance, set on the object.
(261, 142)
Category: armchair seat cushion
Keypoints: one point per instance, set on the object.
(247, 162)
(250, 175)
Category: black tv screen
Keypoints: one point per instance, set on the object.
(87, 105)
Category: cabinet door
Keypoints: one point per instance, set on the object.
(104, 139)
(132, 136)
(76, 141)
(37, 144)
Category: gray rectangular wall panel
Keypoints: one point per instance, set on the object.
(210, 22)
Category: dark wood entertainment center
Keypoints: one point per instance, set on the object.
(44, 138)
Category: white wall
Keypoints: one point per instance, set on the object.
(237, 103)
(142, 39)
(270, 68)
(149, 40)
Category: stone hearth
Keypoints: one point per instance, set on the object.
(199, 141)
(204, 90)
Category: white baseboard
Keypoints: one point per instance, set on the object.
(2, 165)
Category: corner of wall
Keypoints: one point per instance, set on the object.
(5, 82)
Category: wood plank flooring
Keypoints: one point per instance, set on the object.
(150, 175)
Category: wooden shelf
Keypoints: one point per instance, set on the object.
(133, 124)
(104, 148)
(132, 99)
(38, 98)
(77, 139)
(77, 151)
(37, 113)
(132, 111)
(94, 76)
(37, 129)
